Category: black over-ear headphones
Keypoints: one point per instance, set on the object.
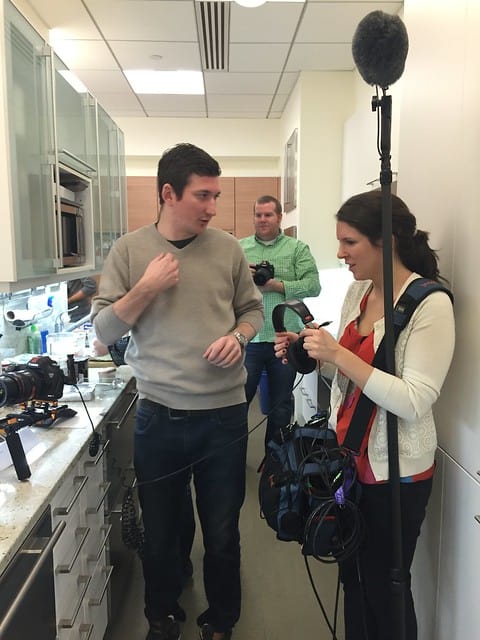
(296, 354)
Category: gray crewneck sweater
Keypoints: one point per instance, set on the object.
(215, 293)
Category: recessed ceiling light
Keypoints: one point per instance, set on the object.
(258, 3)
(152, 81)
(250, 3)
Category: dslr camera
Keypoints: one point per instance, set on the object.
(40, 379)
(264, 271)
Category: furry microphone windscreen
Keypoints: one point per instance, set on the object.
(379, 48)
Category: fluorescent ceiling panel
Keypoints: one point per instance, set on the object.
(150, 81)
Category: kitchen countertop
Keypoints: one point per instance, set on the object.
(60, 446)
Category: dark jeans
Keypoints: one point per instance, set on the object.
(368, 598)
(166, 446)
(281, 378)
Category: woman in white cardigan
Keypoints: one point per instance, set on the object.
(423, 354)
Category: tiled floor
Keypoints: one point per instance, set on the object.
(278, 600)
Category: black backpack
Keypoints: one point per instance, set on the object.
(307, 489)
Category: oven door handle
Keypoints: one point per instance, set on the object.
(42, 557)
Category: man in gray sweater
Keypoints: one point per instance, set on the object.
(186, 295)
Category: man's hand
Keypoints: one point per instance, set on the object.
(161, 274)
(224, 352)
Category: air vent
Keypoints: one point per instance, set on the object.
(213, 23)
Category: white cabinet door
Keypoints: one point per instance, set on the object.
(458, 610)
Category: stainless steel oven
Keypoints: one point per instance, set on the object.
(27, 592)
(73, 233)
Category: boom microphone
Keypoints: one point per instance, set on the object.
(379, 48)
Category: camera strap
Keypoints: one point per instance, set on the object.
(413, 295)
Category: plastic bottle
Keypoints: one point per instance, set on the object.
(34, 340)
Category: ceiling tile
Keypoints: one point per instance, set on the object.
(337, 21)
(225, 83)
(185, 104)
(238, 114)
(119, 104)
(269, 23)
(103, 81)
(174, 55)
(85, 54)
(279, 102)
(320, 57)
(70, 17)
(238, 102)
(257, 57)
(287, 82)
(145, 20)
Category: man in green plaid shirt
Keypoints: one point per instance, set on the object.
(295, 276)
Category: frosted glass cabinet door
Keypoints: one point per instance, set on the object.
(104, 227)
(30, 123)
(111, 168)
(74, 124)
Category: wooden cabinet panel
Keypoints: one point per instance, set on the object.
(234, 208)
(225, 218)
(247, 190)
(142, 201)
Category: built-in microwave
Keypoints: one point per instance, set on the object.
(73, 233)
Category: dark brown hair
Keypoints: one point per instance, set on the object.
(363, 212)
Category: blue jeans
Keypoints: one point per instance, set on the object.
(210, 445)
(281, 378)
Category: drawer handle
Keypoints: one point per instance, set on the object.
(96, 602)
(93, 463)
(66, 568)
(43, 555)
(119, 423)
(106, 529)
(105, 486)
(65, 623)
(87, 629)
(64, 511)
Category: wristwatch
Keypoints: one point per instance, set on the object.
(242, 340)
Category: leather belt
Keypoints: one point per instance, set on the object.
(176, 414)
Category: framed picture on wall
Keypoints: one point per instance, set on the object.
(290, 173)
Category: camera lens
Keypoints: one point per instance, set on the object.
(15, 387)
(261, 276)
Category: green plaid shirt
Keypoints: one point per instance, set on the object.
(294, 266)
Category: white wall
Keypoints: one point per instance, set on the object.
(438, 161)
(238, 140)
(326, 101)
(361, 160)
(438, 176)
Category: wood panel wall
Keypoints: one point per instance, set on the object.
(142, 201)
(234, 208)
